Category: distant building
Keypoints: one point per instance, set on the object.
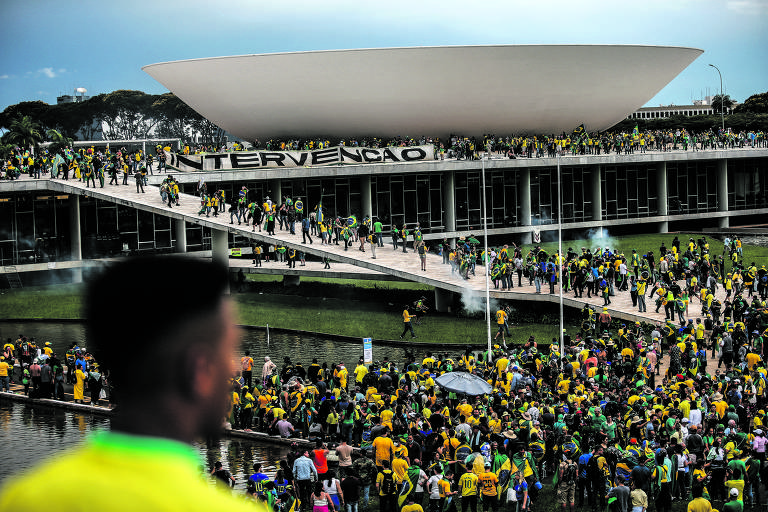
(699, 108)
(71, 98)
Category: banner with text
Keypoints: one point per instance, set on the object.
(277, 159)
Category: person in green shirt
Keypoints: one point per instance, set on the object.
(733, 504)
(378, 230)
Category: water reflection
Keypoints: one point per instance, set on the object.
(33, 433)
(299, 348)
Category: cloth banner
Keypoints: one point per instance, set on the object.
(276, 159)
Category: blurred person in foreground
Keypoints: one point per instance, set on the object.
(146, 461)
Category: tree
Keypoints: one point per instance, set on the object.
(719, 102)
(38, 111)
(24, 132)
(126, 114)
(77, 120)
(175, 116)
(57, 140)
(755, 104)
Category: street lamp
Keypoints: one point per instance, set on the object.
(722, 98)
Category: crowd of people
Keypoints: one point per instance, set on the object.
(92, 165)
(634, 416)
(628, 415)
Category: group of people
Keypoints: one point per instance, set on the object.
(625, 416)
(43, 373)
(89, 165)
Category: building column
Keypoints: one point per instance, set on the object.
(524, 196)
(722, 192)
(597, 193)
(443, 300)
(661, 195)
(220, 248)
(276, 190)
(365, 196)
(75, 241)
(449, 204)
(180, 227)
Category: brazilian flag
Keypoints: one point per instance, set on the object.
(299, 206)
(502, 466)
(409, 485)
(578, 132)
(635, 132)
(523, 462)
(319, 209)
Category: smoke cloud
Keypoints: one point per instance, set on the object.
(600, 238)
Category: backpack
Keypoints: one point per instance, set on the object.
(388, 487)
(570, 473)
(593, 470)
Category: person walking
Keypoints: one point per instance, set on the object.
(305, 226)
(407, 322)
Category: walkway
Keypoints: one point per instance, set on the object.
(405, 266)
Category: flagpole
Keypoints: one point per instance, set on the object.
(487, 267)
(560, 256)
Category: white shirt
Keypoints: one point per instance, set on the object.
(694, 417)
(434, 488)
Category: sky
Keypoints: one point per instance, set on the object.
(52, 47)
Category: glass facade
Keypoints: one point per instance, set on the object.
(747, 180)
(629, 191)
(501, 186)
(34, 228)
(691, 187)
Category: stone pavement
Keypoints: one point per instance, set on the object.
(405, 266)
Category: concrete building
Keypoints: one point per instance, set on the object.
(698, 108)
(432, 91)
(622, 193)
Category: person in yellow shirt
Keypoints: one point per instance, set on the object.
(488, 483)
(79, 389)
(147, 459)
(501, 321)
(383, 450)
(407, 323)
(4, 375)
(469, 490)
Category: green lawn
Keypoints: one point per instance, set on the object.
(652, 242)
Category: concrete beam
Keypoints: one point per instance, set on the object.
(180, 228)
(220, 248)
(722, 192)
(365, 197)
(75, 240)
(661, 188)
(597, 193)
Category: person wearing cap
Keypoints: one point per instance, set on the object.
(759, 444)
(735, 502)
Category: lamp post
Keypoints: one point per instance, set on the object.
(722, 98)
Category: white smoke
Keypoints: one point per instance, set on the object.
(600, 238)
(474, 301)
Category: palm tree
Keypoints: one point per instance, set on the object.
(25, 133)
(58, 141)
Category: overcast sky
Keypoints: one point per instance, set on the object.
(52, 47)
